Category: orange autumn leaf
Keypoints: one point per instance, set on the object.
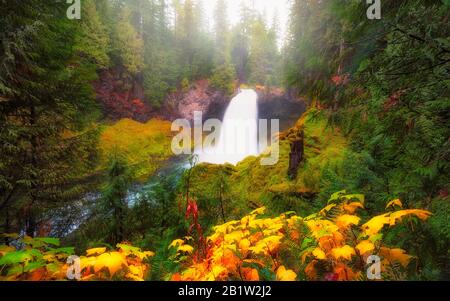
(37, 275)
(398, 215)
(351, 207)
(397, 254)
(310, 270)
(294, 235)
(345, 273)
(250, 274)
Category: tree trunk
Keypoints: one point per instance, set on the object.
(296, 156)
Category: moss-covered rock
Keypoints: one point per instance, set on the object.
(145, 146)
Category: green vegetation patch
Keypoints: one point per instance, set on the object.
(143, 146)
(250, 184)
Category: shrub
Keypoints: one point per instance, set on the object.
(332, 244)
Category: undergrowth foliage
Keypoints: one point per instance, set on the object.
(333, 244)
(40, 258)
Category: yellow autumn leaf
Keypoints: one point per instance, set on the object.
(293, 221)
(285, 275)
(114, 261)
(272, 242)
(148, 254)
(86, 262)
(268, 244)
(225, 228)
(365, 246)
(244, 244)
(50, 258)
(136, 270)
(345, 252)
(346, 220)
(258, 211)
(186, 248)
(218, 270)
(320, 228)
(95, 251)
(176, 243)
(397, 216)
(319, 254)
(233, 236)
(325, 210)
(374, 225)
(393, 203)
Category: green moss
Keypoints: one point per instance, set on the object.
(252, 184)
(144, 146)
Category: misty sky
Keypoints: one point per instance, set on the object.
(267, 7)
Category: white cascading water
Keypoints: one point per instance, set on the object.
(239, 132)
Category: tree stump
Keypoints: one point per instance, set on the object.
(296, 156)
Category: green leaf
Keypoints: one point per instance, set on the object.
(31, 266)
(335, 196)
(34, 243)
(375, 238)
(16, 257)
(306, 242)
(49, 240)
(290, 213)
(52, 267)
(15, 270)
(128, 248)
(359, 197)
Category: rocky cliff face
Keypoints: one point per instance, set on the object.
(199, 97)
(121, 96)
(278, 104)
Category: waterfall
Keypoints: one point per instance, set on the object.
(239, 132)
